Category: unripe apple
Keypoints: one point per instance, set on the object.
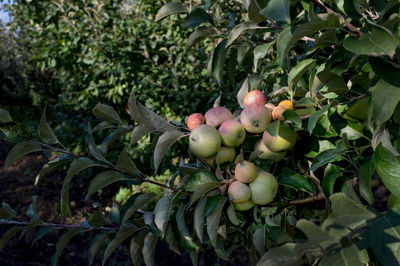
(245, 171)
(204, 141)
(255, 118)
(285, 140)
(263, 188)
(225, 154)
(288, 105)
(270, 106)
(255, 96)
(266, 154)
(277, 113)
(195, 120)
(217, 115)
(239, 192)
(232, 133)
(244, 206)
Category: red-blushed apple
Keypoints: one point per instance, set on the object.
(195, 120)
(277, 113)
(263, 188)
(287, 104)
(255, 96)
(270, 106)
(245, 171)
(285, 140)
(239, 192)
(204, 141)
(232, 133)
(217, 115)
(266, 154)
(225, 154)
(255, 118)
(244, 206)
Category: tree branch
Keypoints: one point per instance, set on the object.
(60, 225)
(297, 202)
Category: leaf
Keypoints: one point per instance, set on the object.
(102, 180)
(106, 143)
(76, 166)
(139, 132)
(218, 60)
(136, 247)
(170, 8)
(388, 167)
(346, 256)
(198, 35)
(294, 180)
(6, 212)
(45, 132)
(15, 132)
(8, 235)
(260, 52)
(41, 232)
(172, 241)
(327, 156)
(314, 117)
(138, 202)
(393, 202)
(164, 143)
(21, 149)
(96, 244)
(102, 126)
(63, 242)
(381, 135)
(106, 113)
(367, 44)
(125, 231)
(31, 211)
(278, 11)
(162, 212)
(126, 164)
(149, 247)
(331, 174)
(186, 238)
(243, 92)
(232, 215)
(196, 17)
(291, 35)
(198, 178)
(94, 151)
(213, 220)
(315, 233)
(203, 189)
(259, 240)
(239, 30)
(5, 116)
(298, 71)
(366, 172)
(253, 10)
(200, 215)
(281, 255)
(97, 219)
(292, 116)
(383, 106)
(273, 128)
(51, 165)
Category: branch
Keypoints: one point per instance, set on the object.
(297, 202)
(88, 227)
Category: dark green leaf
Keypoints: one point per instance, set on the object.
(149, 247)
(331, 174)
(315, 233)
(172, 241)
(383, 106)
(110, 139)
(273, 128)
(196, 17)
(218, 60)
(298, 71)
(213, 220)
(327, 156)
(41, 232)
(97, 219)
(164, 143)
(388, 167)
(198, 178)
(31, 211)
(162, 212)
(198, 35)
(45, 131)
(6, 212)
(102, 180)
(96, 244)
(281, 255)
(254, 9)
(5, 116)
(291, 115)
(8, 235)
(239, 30)
(95, 152)
(125, 231)
(259, 240)
(53, 164)
(243, 92)
(200, 214)
(170, 8)
(203, 189)
(314, 117)
(63, 242)
(366, 172)
(102, 126)
(126, 164)
(106, 113)
(294, 180)
(139, 132)
(21, 149)
(260, 52)
(139, 201)
(186, 238)
(137, 246)
(232, 215)
(345, 256)
(211, 204)
(278, 11)
(15, 132)
(393, 202)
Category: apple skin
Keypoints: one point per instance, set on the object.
(255, 118)
(217, 115)
(285, 140)
(267, 154)
(270, 106)
(204, 141)
(263, 188)
(288, 105)
(245, 171)
(225, 154)
(244, 206)
(239, 192)
(232, 133)
(277, 113)
(194, 120)
(255, 96)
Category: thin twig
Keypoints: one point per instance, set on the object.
(87, 227)
(297, 202)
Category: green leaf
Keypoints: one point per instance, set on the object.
(5, 116)
(232, 215)
(136, 247)
(170, 8)
(278, 11)
(260, 52)
(383, 106)
(139, 132)
(41, 232)
(259, 240)
(331, 174)
(211, 204)
(366, 172)
(110, 139)
(315, 233)
(273, 128)
(149, 247)
(326, 156)
(196, 17)
(31, 211)
(254, 9)
(95, 152)
(21, 149)
(102, 180)
(213, 220)
(125, 164)
(6, 212)
(200, 215)
(203, 189)
(388, 167)
(51, 165)
(198, 35)
(198, 178)
(125, 231)
(292, 116)
(15, 132)
(164, 143)
(183, 231)
(244, 89)
(138, 202)
(8, 235)
(346, 256)
(96, 244)
(106, 113)
(162, 212)
(298, 71)
(218, 60)
(292, 179)
(102, 126)
(45, 132)
(367, 44)
(63, 242)
(97, 219)
(393, 202)
(281, 255)
(312, 121)
(239, 30)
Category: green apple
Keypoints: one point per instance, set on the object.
(217, 115)
(266, 154)
(285, 140)
(255, 118)
(232, 133)
(239, 192)
(225, 154)
(204, 141)
(263, 188)
(244, 206)
(245, 171)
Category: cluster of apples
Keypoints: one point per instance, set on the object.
(218, 133)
